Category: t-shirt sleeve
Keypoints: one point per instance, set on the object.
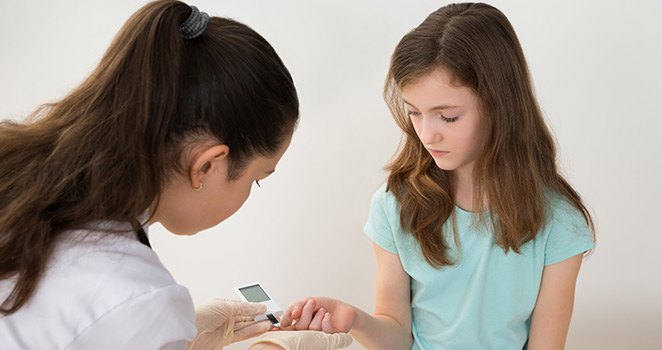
(569, 234)
(379, 227)
(161, 319)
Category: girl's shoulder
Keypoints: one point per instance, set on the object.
(566, 232)
(560, 210)
(384, 198)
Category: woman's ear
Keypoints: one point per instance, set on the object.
(205, 160)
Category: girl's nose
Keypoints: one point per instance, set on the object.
(430, 131)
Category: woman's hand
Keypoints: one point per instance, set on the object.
(222, 322)
(302, 340)
(319, 314)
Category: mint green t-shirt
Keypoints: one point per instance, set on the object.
(486, 299)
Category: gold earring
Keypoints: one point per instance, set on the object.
(197, 188)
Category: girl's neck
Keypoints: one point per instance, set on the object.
(463, 193)
(464, 200)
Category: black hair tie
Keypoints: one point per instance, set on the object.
(194, 25)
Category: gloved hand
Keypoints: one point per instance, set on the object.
(304, 340)
(221, 322)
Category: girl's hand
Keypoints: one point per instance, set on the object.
(319, 313)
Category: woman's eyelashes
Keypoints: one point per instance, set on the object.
(412, 114)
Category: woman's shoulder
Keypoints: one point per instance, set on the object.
(95, 278)
(167, 314)
(111, 258)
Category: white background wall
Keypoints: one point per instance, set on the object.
(597, 69)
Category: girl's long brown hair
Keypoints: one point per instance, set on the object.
(515, 171)
(107, 150)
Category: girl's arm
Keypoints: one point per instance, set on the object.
(389, 328)
(553, 310)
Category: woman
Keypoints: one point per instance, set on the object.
(183, 114)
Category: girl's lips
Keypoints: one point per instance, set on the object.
(436, 153)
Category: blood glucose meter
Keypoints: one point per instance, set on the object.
(255, 293)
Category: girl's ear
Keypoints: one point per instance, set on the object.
(205, 160)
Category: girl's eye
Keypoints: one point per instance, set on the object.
(257, 182)
(449, 119)
(413, 114)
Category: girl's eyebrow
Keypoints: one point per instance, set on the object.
(436, 108)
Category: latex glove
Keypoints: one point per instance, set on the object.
(221, 322)
(304, 340)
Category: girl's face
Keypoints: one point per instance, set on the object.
(445, 117)
(185, 211)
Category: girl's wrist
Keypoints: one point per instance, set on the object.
(360, 320)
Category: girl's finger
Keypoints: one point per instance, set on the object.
(292, 313)
(306, 315)
(316, 322)
(327, 326)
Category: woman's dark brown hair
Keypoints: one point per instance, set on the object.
(515, 172)
(107, 150)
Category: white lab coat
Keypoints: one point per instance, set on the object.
(101, 291)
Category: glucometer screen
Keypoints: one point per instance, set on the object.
(254, 294)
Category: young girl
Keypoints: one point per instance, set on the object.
(478, 238)
(182, 115)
